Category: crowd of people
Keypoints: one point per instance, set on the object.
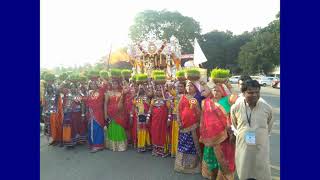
(207, 127)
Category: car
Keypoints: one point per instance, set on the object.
(266, 81)
(234, 79)
(276, 83)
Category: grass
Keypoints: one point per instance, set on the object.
(126, 72)
(141, 77)
(115, 72)
(156, 73)
(192, 72)
(159, 77)
(180, 74)
(104, 74)
(93, 73)
(220, 73)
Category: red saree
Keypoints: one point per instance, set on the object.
(213, 124)
(213, 133)
(158, 123)
(96, 104)
(188, 112)
(128, 105)
(115, 110)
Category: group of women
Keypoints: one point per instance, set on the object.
(186, 119)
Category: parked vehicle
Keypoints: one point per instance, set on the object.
(234, 79)
(255, 77)
(266, 81)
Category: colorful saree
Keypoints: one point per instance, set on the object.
(143, 127)
(74, 128)
(218, 158)
(116, 138)
(53, 117)
(128, 106)
(189, 154)
(174, 136)
(96, 120)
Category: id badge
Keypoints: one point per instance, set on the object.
(250, 137)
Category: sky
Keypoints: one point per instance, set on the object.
(74, 32)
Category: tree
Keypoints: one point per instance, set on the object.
(258, 55)
(214, 47)
(222, 49)
(163, 24)
(263, 52)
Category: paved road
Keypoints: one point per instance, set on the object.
(272, 96)
(79, 164)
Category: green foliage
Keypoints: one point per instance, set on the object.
(258, 55)
(192, 71)
(157, 72)
(104, 74)
(163, 24)
(126, 73)
(133, 77)
(222, 48)
(180, 74)
(159, 77)
(49, 76)
(192, 74)
(115, 73)
(83, 78)
(74, 77)
(141, 77)
(263, 52)
(43, 74)
(93, 73)
(220, 73)
(63, 76)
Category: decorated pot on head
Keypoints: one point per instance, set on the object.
(180, 76)
(104, 74)
(192, 74)
(158, 77)
(93, 75)
(115, 75)
(220, 75)
(49, 78)
(126, 74)
(74, 78)
(141, 79)
(220, 78)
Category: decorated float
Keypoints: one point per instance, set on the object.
(154, 54)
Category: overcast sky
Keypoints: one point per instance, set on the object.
(79, 31)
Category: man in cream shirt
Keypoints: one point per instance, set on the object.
(252, 119)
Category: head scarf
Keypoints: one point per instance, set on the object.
(198, 93)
